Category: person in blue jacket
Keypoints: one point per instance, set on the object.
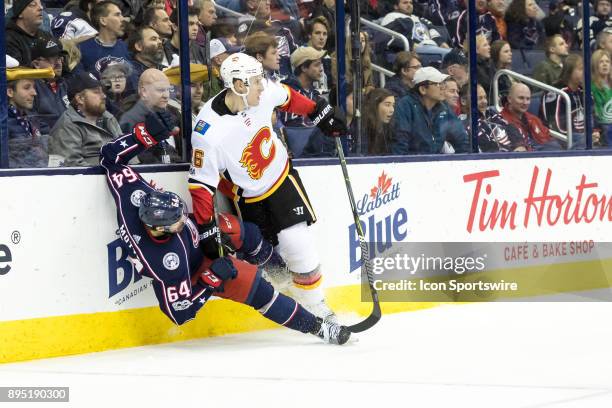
(165, 245)
(423, 122)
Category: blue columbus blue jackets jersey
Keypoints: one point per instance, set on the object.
(169, 262)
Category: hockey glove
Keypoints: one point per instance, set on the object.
(157, 126)
(221, 270)
(231, 236)
(326, 118)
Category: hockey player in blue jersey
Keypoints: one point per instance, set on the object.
(166, 246)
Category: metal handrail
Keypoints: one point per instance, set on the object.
(568, 104)
(385, 30)
(229, 11)
(382, 72)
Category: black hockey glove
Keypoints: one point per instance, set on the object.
(326, 118)
(159, 125)
(221, 270)
(209, 243)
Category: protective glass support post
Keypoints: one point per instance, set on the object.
(357, 79)
(4, 153)
(341, 57)
(588, 100)
(184, 58)
(472, 23)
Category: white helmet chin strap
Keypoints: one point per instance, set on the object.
(243, 95)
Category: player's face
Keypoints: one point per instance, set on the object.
(23, 95)
(386, 109)
(256, 88)
(175, 228)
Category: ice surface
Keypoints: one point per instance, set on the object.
(497, 355)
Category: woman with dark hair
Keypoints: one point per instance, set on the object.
(524, 30)
(378, 113)
(501, 55)
(554, 107)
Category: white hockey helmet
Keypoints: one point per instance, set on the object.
(239, 66)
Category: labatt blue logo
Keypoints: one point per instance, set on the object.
(379, 233)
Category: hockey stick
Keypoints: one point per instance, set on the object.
(366, 266)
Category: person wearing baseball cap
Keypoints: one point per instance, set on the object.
(307, 71)
(84, 127)
(424, 124)
(455, 64)
(220, 49)
(52, 94)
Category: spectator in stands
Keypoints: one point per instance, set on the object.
(423, 123)
(225, 31)
(75, 21)
(207, 19)
(146, 47)
(114, 82)
(199, 77)
(548, 70)
(486, 69)
(264, 48)
(599, 20)
(23, 30)
(604, 40)
(405, 65)
(81, 131)
(327, 9)
(171, 47)
(71, 56)
(451, 95)
(367, 77)
(601, 86)
(494, 133)
(501, 55)
(220, 49)
(497, 8)
(560, 20)
(487, 25)
(107, 46)
(554, 107)
(256, 9)
(536, 135)
(51, 93)
(455, 64)
(317, 31)
(27, 135)
(418, 30)
(307, 69)
(158, 19)
(524, 30)
(378, 110)
(154, 94)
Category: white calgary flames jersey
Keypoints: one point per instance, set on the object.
(241, 147)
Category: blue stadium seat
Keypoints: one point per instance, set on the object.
(536, 103)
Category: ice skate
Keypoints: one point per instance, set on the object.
(331, 332)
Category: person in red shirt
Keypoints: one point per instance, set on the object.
(536, 135)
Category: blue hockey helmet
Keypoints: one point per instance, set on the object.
(161, 209)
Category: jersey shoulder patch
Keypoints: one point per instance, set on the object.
(201, 127)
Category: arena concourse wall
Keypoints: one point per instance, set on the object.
(66, 288)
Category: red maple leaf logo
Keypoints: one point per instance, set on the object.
(383, 185)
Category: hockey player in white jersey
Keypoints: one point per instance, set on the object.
(236, 151)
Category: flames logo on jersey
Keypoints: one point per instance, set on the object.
(259, 153)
